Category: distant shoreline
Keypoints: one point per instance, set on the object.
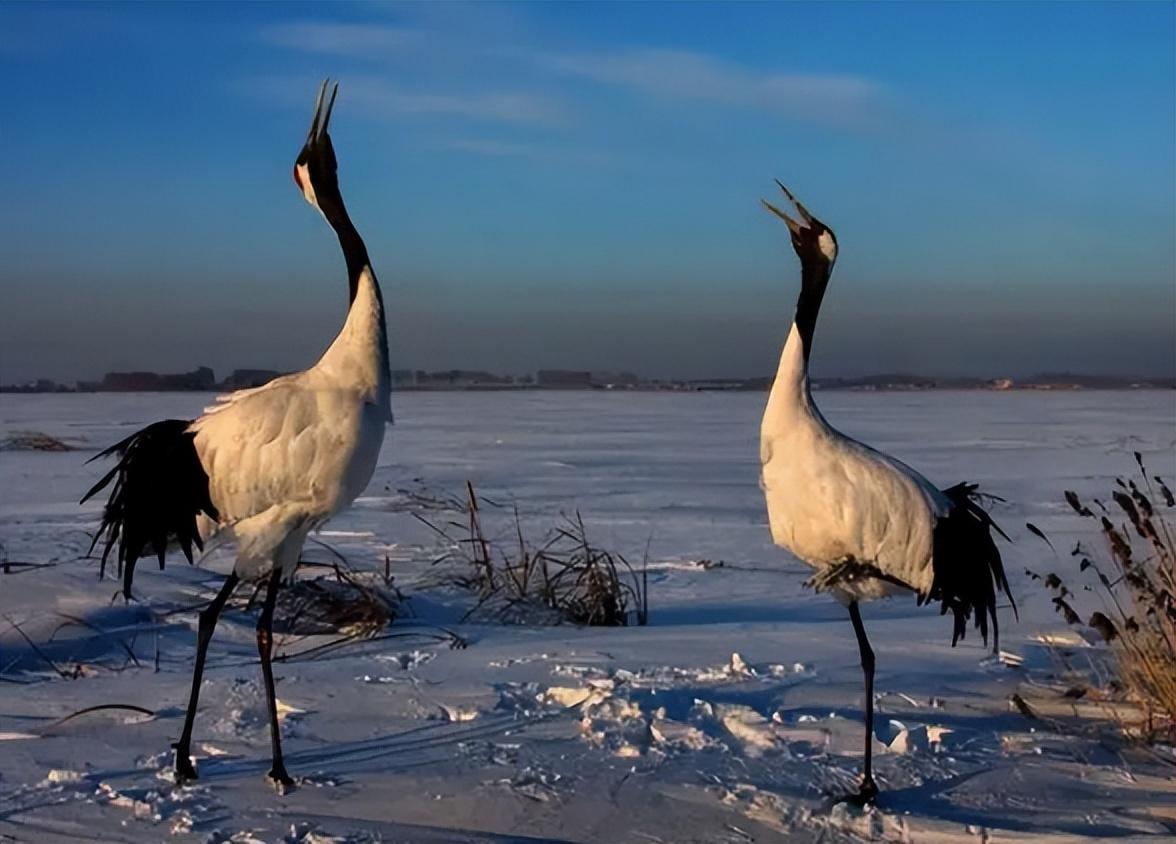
(203, 380)
(1150, 385)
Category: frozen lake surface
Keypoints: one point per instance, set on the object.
(407, 739)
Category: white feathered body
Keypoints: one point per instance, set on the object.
(832, 499)
(283, 458)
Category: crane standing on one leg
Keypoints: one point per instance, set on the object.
(265, 466)
(870, 525)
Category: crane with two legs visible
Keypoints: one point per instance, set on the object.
(266, 466)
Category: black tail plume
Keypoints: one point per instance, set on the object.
(967, 567)
(159, 489)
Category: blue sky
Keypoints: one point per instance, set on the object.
(576, 185)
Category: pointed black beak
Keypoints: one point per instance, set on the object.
(809, 220)
(322, 113)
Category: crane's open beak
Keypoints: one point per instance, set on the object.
(801, 211)
(322, 114)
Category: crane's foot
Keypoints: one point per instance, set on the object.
(865, 796)
(184, 770)
(282, 782)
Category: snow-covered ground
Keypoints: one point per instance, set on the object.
(730, 718)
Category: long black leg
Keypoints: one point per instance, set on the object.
(208, 617)
(869, 789)
(265, 645)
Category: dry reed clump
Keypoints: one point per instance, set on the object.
(564, 579)
(33, 441)
(1135, 578)
(345, 602)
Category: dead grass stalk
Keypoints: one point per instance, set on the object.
(564, 578)
(1134, 576)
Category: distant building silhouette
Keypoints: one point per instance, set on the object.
(201, 378)
(402, 378)
(41, 385)
(564, 378)
(459, 379)
(615, 380)
(245, 378)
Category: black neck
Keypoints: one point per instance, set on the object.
(356, 255)
(354, 250)
(814, 278)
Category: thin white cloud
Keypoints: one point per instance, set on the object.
(383, 98)
(368, 40)
(686, 75)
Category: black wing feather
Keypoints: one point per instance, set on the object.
(160, 488)
(966, 564)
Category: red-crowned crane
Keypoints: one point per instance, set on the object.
(870, 525)
(264, 466)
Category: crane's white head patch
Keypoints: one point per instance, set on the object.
(827, 245)
(302, 179)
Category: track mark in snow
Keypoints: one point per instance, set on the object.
(521, 660)
(410, 660)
